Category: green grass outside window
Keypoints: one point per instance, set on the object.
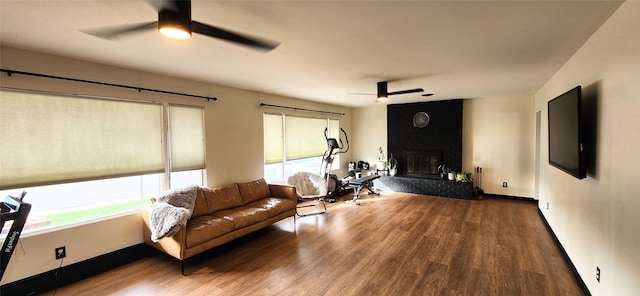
(72, 216)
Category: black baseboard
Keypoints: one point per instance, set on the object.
(581, 283)
(65, 275)
(530, 199)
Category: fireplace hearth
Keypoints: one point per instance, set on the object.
(443, 188)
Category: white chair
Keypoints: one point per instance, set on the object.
(310, 186)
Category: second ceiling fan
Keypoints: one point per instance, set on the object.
(383, 93)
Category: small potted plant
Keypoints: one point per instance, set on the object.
(443, 170)
(463, 177)
(393, 165)
(448, 174)
(451, 175)
(382, 161)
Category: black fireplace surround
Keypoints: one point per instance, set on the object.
(421, 150)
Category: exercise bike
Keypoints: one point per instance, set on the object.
(334, 147)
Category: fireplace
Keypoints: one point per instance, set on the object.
(422, 164)
(426, 148)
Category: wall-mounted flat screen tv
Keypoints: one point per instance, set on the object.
(566, 133)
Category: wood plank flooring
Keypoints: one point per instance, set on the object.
(394, 244)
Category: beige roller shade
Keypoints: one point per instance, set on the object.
(186, 133)
(273, 141)
(47, 139)
(304, 137)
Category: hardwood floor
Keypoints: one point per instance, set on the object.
(394, 244)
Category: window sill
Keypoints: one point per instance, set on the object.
(49, 229)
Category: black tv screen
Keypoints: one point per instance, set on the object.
(565, 133)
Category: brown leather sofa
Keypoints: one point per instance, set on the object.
(225, 213)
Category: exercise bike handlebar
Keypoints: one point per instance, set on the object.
(346, 138)
(333, 143)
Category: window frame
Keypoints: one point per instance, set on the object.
(287, 167)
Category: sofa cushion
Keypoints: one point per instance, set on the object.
(200, 206)
(273, 205)
(205, 228)
(254, 190)
(243, 216)
(222, 198)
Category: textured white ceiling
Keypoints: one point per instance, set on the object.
(330, 51)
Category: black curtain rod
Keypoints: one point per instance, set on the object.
(299, 109)
(139, 89)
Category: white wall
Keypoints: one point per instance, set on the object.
(234, 148)
(370, 124)
(596, 219)
(499, 136)
(35, 253)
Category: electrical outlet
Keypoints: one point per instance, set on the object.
(598, 274)
(61, 252)
(547, 205)
(504, 184)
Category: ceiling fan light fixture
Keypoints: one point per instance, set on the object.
(175, 32)
(382, 92)
(171, 25)
(382, 99)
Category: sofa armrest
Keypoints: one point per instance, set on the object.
(284, 191)
(173, 246)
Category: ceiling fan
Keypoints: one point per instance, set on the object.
(174, 21)
(383, 94)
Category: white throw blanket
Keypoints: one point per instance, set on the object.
(171, 212)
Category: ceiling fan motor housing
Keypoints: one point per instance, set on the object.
(382, 89)
(179, 19)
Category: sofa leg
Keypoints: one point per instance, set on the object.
(182, 266)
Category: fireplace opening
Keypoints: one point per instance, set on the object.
(422, 164)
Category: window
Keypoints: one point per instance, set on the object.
(80, 158)
(294, 143)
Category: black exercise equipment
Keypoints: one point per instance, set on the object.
(360, 184)
(12, 208)
(334, 147)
